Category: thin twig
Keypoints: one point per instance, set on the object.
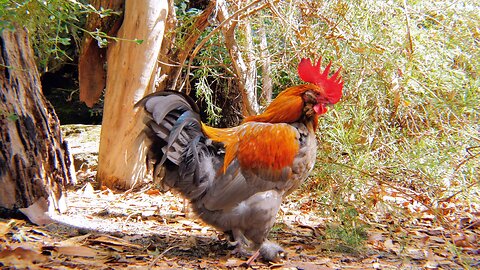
(378, 179)
(460, 191)
(159, 256)
(457, 168)
(409, 37)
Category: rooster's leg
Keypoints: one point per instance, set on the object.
(253, 257)
(241, 244)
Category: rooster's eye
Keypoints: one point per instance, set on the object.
(310, 97)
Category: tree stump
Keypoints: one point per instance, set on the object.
(34, 162)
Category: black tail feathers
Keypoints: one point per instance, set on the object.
(177, 140)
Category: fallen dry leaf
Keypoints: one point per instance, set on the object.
(107, 239)
(416, 254)
(79, 251)
(88, 191)
(431, 265)
(20, 257)
(389, 246)
(74, 240)
(37, 212)
(461, 240)
(275, 265)
(233, 262)
(376, 236)
(437, 239)
(4, 228)
(153, 192)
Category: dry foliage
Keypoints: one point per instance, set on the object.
(150, 230)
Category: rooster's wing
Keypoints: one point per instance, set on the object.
(259, 157)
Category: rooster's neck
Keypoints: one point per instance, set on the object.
(289, 107)
(294, 116)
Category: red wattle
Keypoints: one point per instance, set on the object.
(320, 109)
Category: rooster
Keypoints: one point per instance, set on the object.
(236, 178)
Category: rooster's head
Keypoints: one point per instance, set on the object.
(328, 90)
(306, 101)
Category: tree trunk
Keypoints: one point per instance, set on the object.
(245, 76)
(166, 59)
(34, 162)
(251, 71)
(131, 73)
(266, 96)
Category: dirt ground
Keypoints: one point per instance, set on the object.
(150, 230)
(146, 229)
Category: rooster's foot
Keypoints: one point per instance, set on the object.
(272, 252)
(241, 252)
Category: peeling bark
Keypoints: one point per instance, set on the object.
(34, 160)
(91, 71)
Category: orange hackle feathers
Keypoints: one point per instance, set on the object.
(287, 107)
(267, 147)
(257, 146)
(227, 136)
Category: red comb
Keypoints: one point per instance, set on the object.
(312, 74)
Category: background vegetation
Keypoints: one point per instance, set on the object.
(408, 126)
(56, 31)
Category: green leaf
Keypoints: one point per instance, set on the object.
(13, 117)
(64, 41)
